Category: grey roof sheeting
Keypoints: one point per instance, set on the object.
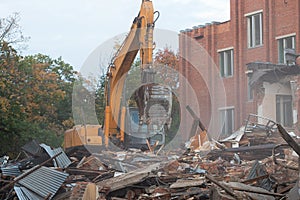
(12, 170)
(25, 194)
(49, 152)
(20, 193)
(62, 160)
(44, 181)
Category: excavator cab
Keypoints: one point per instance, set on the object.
(137, 134)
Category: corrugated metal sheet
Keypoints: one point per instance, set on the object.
(20, 194)
(49, 152)
(12, 170)
(25, 194)
(44, 181)
(62, 160)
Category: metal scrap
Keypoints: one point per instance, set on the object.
(260, 170)
(44, 181)
(10, 170)
(62, 160)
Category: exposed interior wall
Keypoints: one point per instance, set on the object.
(268, 107)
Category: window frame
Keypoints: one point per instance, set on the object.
(283, 40)
(224, 68)
(251, 29)
(281, 112)
(224, 122)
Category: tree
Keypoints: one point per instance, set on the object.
(35, 98)
(133, 80)
(167, 57)
(53, 80)
(11, 31)
(85, 103)
(100, 99)
(35, 93)
(166, 64)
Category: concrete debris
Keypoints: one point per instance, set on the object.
(256, 162)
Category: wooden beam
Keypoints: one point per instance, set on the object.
(284, 134)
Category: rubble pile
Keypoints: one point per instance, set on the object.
(235, 169)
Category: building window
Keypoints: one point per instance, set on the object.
(227, 121)
(226, 63)
(284, 110)
(285, 43)
(255, 30)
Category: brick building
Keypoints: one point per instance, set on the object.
(247, 53)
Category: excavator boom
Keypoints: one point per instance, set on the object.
(140, 38)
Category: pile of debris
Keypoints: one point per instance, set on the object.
(260, 171)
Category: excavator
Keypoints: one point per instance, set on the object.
(140, 125)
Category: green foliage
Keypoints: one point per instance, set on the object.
(84, 98)
(100, 99)
(175, 115)
(133, 80)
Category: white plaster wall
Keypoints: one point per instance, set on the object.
(268, 106)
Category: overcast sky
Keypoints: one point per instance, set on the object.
(74, 28)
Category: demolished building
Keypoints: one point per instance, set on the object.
(245, 172)
(248, 54)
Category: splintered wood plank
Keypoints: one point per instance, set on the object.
(187, 183)
(129, 179)
(251, 189)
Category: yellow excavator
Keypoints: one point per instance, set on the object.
(131, 126)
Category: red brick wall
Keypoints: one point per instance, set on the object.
(285, 17)
(279, 18)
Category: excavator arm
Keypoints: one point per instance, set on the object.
(140, 38)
